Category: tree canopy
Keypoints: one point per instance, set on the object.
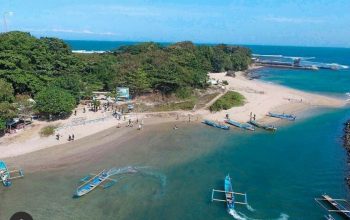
(54, 101)
(46, 69)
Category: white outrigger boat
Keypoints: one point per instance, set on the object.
(94, 180)
(7, 175)
(230, 198)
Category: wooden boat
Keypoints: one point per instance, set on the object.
(216, 125)
(340, 206)
(91, 184)
(230, 195)
(94, 180)
(7, 175)
(289, 117)
(240, 125)
(266, 127)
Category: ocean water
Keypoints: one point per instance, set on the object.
(281, 172)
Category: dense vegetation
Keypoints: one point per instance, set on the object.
(39, 68)
(228, 100)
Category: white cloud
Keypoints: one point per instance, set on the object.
(292, 20)
(59, 30)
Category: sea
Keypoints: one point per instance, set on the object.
(282, 172)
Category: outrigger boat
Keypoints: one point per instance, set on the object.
(7, 175)
(266, 127)
(289, 117)
(216, 125)
(230, 195)
(240, 125)
(340, 206)
(94, 180)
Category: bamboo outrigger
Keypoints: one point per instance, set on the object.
(91, 181)
(230, 198)
(340, 206)
(7, 175)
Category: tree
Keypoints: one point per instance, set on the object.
(96, 104)
(138, 82)
(6, 91)
(54, 101)
(25, 105)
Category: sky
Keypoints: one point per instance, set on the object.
(260, 22)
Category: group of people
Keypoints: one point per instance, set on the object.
(70, 137)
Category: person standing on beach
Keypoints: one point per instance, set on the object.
(58, 136)
(72, 137)
(69, 138)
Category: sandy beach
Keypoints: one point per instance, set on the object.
(261, 97)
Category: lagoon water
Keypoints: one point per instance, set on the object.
(281, 172)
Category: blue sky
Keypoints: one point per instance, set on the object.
(267, 22)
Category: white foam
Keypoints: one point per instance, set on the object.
(235, 215)
(250, 208)
(89, 51)
(283, 216)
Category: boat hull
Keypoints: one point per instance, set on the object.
(240, 125)
(282, 116)
(4, 174)
(230, 199)
(216, 125)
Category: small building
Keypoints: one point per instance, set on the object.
(122, 93)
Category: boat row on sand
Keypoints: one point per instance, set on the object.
(7, 175)
(251, 124)
(246, 126)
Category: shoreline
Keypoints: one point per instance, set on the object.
(261, 97)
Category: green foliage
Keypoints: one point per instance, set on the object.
(6, 91)
(183, 93)
(227, 101)
(174, 106)
(2, 124)
(47, 130)
(54, 101)
(7, 110)
(225, 82)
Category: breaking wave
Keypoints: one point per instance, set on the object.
(241, 216)
(281, 56)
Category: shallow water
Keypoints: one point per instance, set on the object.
(281, 172)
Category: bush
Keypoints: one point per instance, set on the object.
(184, 92)
(227, 101)
(47, 130)
(225, 82)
